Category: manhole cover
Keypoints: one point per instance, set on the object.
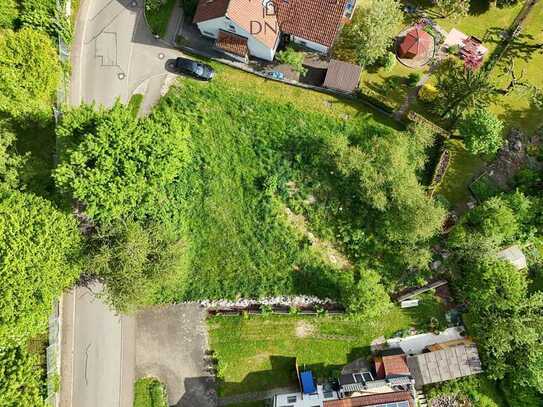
(121, 75)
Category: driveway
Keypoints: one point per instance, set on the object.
(170, 345)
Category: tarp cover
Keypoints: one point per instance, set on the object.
(308, 385)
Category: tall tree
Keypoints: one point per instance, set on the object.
(137, 263)
(29, 72)
(368, 298)
(507, 322)
(39, 250)
(371, 31)
(383, 164)
(120, 167)
(461, 90)
(482, 132)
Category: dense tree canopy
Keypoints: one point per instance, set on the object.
(10, 161)
(482, 132)
(136, 263)
(38, 249)
(383, 164)
(507, 322)
(118, 166)
(29, 73)
(20, 378)
(8, 13)
(371, 32)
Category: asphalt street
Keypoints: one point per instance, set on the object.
(112, 55)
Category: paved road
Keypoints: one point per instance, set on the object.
(113, 54)
(98, 352)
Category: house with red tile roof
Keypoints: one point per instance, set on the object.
(244, 28)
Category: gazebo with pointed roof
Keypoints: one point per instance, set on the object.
(415, 43)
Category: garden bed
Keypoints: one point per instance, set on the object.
(157, 15)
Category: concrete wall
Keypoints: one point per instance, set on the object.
(310, 44)
(211, 29)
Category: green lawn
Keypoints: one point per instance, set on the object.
(158, 19)
(391, 85)
(483, 21)
(258, 352)
(462, 168)
(149, 392)
(515, 109)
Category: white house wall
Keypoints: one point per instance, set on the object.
(310, 44)
(210, 28)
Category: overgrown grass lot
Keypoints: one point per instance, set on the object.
(254, 157)
(258, 352)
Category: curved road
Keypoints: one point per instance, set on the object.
(113, 55)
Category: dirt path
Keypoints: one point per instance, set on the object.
(324, 248)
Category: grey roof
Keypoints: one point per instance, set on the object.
(445, 364)
(342, 76)
(514, 255)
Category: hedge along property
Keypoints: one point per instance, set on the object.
(257, 28)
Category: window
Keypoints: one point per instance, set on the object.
(291, 399)
(232, 27)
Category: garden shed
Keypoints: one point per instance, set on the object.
(446, 364)
(342, 76)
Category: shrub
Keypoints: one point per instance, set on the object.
(413, 78)
(148, 154)
(453, 49)
(29, 73)
(39, 248)
(293, 58)
(428, 93)
(388, 61)
(149, 392)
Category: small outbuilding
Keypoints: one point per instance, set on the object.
(416, 43)
(514, 255)
(342, 76)
(445, 364)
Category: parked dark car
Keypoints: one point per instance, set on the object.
(193, 68)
